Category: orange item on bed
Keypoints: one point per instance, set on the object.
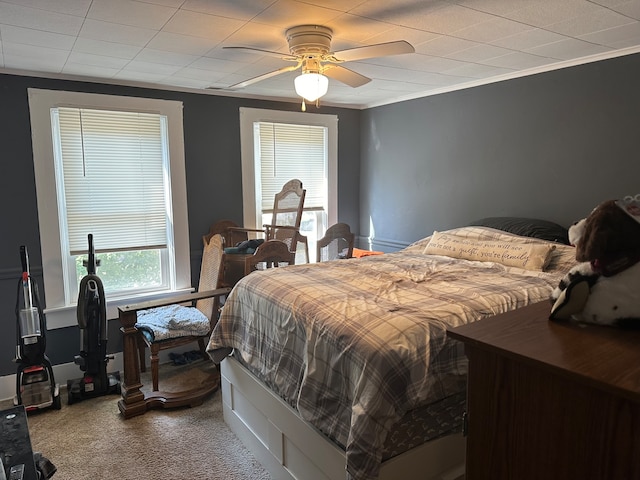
(358, 253)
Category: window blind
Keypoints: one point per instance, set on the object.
(113, 168)
(290, 151)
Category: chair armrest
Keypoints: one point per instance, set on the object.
(283, 227)
(161, 302)
(243, 229)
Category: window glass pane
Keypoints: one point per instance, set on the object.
(121, 271)
(293, 151)
(113, 166)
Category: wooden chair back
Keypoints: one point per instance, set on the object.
(210, 275)
(287, 208)
(270, 254)
(231, 233)
(337, 242)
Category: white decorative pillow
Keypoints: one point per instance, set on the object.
(530, 256)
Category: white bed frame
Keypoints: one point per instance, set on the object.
(291, 449)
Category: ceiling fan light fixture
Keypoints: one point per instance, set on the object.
(311, 86)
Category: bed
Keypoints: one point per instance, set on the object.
(343, 369)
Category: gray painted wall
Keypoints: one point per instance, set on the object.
(549, 146)
(214, 187)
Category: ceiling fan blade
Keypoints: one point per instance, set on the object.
(372, 51)
(344, 75)
(264, 76)
(259, 51)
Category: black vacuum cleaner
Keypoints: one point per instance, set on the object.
(92, 320)
(35, 384)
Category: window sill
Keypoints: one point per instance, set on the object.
(62, 317)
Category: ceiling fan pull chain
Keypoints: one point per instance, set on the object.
(304, 107)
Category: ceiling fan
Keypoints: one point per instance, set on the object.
(310, 49)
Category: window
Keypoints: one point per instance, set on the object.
(278, 146)
(113, 167)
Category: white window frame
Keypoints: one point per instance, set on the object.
(249, 116)
(60, 310)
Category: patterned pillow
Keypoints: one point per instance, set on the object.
(528, 256)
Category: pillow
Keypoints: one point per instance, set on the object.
(527, 227)
(523, 255)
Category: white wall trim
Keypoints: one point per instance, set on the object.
(249, 116)
(40, 104)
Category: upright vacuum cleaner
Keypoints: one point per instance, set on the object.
(92, 320)
(35, 385)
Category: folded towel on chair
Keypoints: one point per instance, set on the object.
(173, 321)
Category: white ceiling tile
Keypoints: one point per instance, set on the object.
(97, 60)
(493, 30)
(259, 35)
(216, 65)
(590, 23)
(568, 49)
(519, 61)
(288, 13)
(18, 55)
(112, 32)
(478, 53)
(36, 64)
(29, 36)
(172, 42)
(630, 9)
(185, 82)
(202, 25)
(618, 37)
(150, 67)
(228, 8)
(436, 79)
(101, 47)
(129, 12)
(411, 35)
(541, 13)
(135, 76)
(475, 70)
(351, 30)
(443, 46)
(180, 43)
(199, 74)
(34, 51)
(165, 57)
(70, 7)
(83, 69)
(529, 39)
(398, 12)
(428, 63)
(496, 7)
(451, 18)
(38, 19)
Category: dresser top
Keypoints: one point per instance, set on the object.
(607, 358)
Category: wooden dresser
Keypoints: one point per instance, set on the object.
(551, 400)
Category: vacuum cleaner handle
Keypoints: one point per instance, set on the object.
(24, 258)
(91, 263)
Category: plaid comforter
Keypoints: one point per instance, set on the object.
(355, 344)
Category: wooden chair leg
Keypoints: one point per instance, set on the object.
(142, 346)
(155, 363)
(203, 348)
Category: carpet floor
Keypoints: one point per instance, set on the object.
(91, 440)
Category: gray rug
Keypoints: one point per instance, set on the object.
(91, 440)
